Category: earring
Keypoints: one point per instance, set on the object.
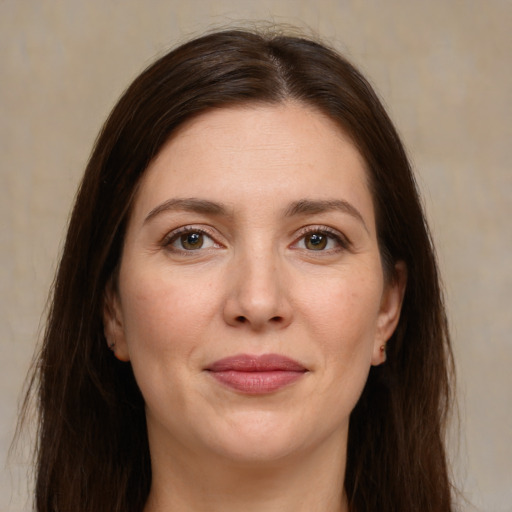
(382, 349)
(112, 345)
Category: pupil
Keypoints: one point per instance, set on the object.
(192, 241)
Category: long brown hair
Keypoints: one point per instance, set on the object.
(92, 451)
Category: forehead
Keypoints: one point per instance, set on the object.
(255, 153)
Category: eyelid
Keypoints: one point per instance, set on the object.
(343, 241)
(166, 242)
(173, 235)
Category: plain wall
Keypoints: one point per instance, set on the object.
(442, 67)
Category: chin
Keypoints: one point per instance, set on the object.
(257, 452)
(261, 437)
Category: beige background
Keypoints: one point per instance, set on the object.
(442, 67)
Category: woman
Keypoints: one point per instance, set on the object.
(249, 243)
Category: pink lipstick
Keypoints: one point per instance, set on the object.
(256, 375)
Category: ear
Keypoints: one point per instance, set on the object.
(389, 313)
(113, 326)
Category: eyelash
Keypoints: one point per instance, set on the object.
(173, 236)
(343, 243)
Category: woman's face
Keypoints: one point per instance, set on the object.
(251, 299)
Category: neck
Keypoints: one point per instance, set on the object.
(311, 481)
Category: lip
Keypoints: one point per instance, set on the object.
(256, 375)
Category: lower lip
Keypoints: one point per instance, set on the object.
(257, 383)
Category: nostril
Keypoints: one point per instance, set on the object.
(275, 320)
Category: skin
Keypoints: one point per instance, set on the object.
(257, 285)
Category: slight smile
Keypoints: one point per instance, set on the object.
(256, 375)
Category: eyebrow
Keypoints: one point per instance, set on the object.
(301, 207)
(190, 205)
(312, 207)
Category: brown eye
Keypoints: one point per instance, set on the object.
(188, 240)
(316, 241)
(191, 241)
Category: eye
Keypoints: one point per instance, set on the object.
(316, 241)
(188, 240)
(320, 240)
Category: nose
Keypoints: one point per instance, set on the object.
(258, 297)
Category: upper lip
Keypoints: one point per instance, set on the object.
(256, 363)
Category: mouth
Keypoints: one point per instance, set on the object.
(256, 375)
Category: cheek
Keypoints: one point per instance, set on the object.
(348, 307)
(165, 323)
(340, 319)
(342, 316)
(164, 314)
